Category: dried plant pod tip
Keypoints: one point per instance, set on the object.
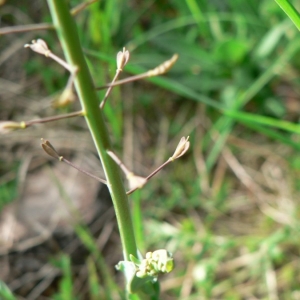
(136, 182)
(164, 67)
(64, 99)
(39, 46)
(7, 126)
(122, 59)
(50, 150)
(182, 148)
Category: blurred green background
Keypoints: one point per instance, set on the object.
(229, 209)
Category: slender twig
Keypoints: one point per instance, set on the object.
(119, 162)
(41, 47)
(80, 7)
(62, 62)
(67, 96)
(71, 80)
(42, 26)
(53, 118)
(180, 150)
(82, 171)
(109, 89)
(123, 81)
(7, 126)
(50, 150)
(135, 182)
(159, 70)
(159, 168)
(25, 28)
(122, 59)
(151, 175)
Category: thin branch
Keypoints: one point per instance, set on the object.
(109, 89)
(159, 70)
(8, 126)
(122, 59)
(158, 169)
(123, 81)
(62, 62)
(82, 171)
(53, 118)
(135, 182)
(151, 175)
(25, 28)
(180, 150)
(119, 162)
(42, 26)
(51, 151)
(80, 7)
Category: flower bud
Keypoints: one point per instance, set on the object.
(157, 262)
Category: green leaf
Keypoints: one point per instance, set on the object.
(262, 120)
(269, 42)
(231, 51)
(5, 292)
(290, 10)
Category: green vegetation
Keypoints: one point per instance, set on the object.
(229, 209)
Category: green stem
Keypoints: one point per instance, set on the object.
(138, 218)
(67, 33)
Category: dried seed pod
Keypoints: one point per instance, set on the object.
(136, 182)
(39, 46)
(182, 148)
(50, 150)
(65, 98)
(7, 126)
(122, 59)
(164, 67)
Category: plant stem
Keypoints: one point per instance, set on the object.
(82, 171)
(54, 118)
(67, 33)
(25, 28)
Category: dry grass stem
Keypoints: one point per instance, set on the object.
(25, 28)
(122, 59)
(80, 7)
(161, 69)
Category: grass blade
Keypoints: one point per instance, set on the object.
(262, 120)
(290, 10)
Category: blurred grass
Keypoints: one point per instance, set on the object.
(290, 10)
(235, 88)
(66, 283)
